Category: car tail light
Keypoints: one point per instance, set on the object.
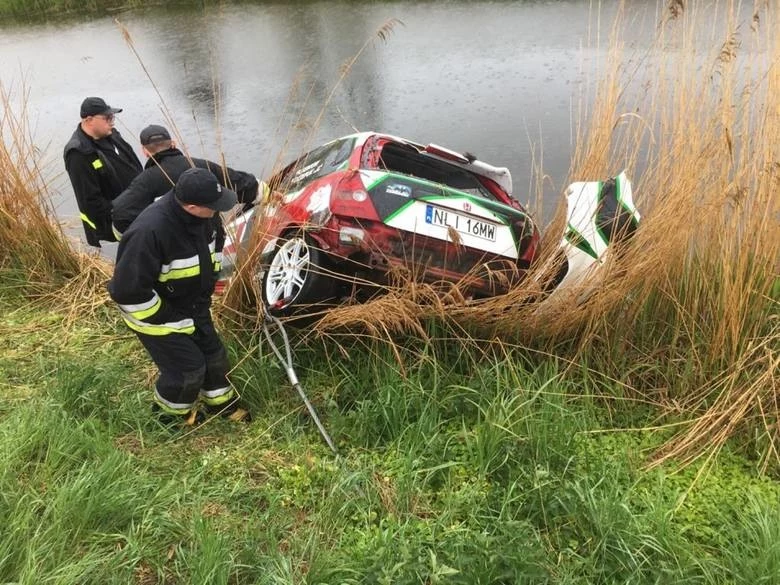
(350, 199)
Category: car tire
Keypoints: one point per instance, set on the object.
(296, 276)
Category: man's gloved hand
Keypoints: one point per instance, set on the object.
(263, 192)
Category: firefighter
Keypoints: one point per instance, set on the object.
(164, 165)
(100, 164)
(166, 267)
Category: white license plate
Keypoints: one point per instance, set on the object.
(460, 223)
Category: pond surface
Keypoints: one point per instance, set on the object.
(499, 79)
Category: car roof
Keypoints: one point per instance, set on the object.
(500, 175)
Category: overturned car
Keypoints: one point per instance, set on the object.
(361, 210)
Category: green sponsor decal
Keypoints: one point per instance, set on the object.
(398, 211)
(376, 181)
(577, 240)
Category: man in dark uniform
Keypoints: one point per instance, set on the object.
(163, 168)
(166, 268)
(100, 164)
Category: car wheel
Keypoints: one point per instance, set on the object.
(295, 276)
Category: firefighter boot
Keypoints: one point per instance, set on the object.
(191, 419)
(174, 398)
(232, 410)
(217, 395)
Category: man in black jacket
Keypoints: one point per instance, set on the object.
(164, 166)
(166, 268)
(100, 164)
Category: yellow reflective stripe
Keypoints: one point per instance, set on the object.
(218, 396)
(180, 263)
(217, 266)
(186, 326)
(265, 191)
(181, 268)
(97, 164)
(172, 407)
(141, 306)
(180, 273)
(186, 267)
(116, 232)
(87, 221)
(144, 310)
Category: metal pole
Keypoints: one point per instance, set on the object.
(286, 361)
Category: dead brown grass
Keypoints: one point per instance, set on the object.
(685, 314)
(31, 242)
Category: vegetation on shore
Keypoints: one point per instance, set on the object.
(632, 438)
(44, 8)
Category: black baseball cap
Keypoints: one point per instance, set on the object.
(154, 133)
(94, 106)
(200, 187)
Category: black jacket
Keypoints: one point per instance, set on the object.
(99, 170)
(161, 172)
(166, 268)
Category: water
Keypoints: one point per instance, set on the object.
(499, 79)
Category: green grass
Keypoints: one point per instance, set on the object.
(457, 468)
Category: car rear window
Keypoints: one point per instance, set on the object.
(316, 164)
(404, 159)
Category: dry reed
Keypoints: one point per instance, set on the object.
(32, 242)
(686, 314)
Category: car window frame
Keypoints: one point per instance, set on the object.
(285, 183)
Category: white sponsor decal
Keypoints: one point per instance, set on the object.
(320, 199)
(399, 189)
(307, 171)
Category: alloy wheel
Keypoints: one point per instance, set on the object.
(288, 271)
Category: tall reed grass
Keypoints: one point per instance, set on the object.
(691, 317)
(686, 314)
(33, 244)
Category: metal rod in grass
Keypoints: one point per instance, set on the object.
(286, 361)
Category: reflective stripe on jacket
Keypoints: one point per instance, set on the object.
(99, 170)
(166, 267)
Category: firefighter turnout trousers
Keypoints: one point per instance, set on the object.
(190, 365)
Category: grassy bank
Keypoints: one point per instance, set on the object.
(463, 469)
(13, 10)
